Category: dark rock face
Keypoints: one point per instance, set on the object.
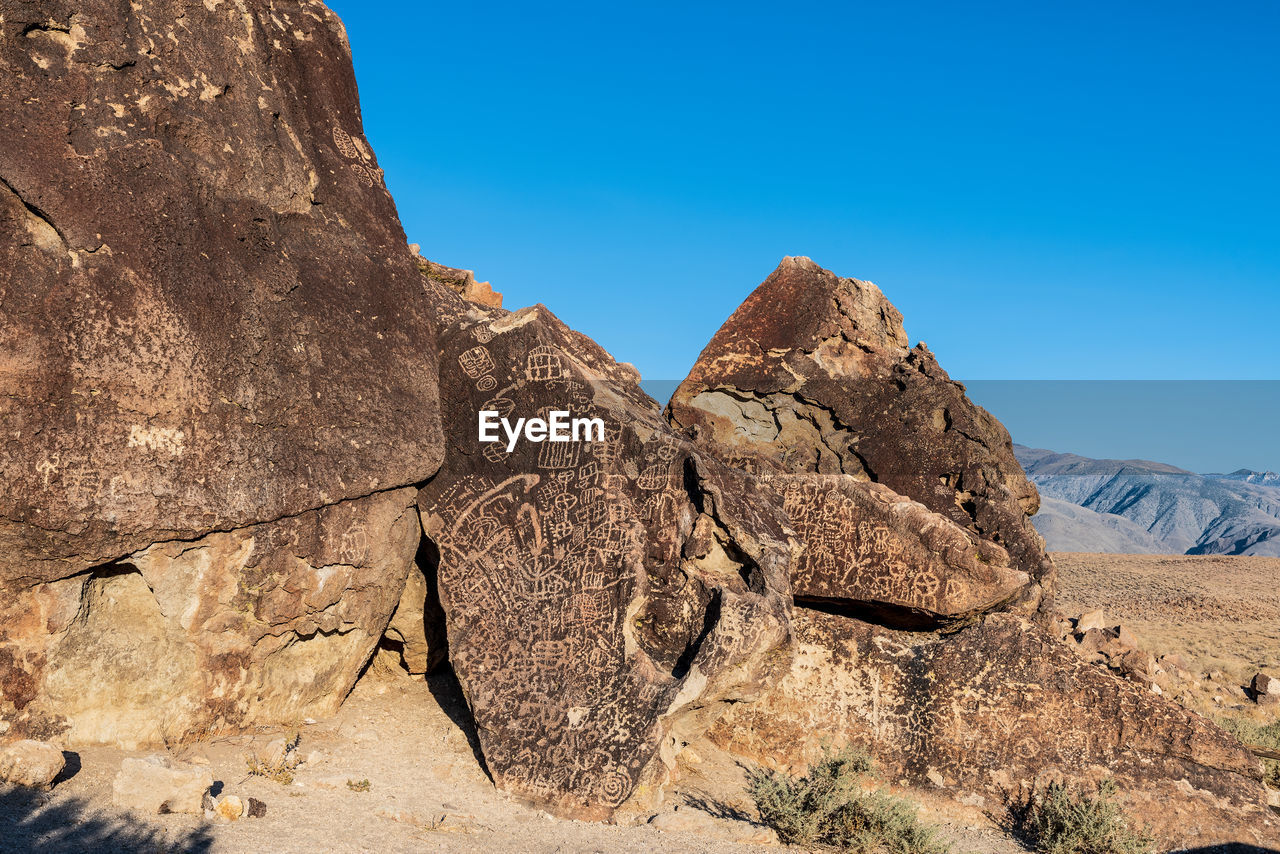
(601, 595)
(211, 330)
(204, 288)
(812, 373)
(991, 710)
(892, 556)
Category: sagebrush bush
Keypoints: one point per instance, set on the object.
(278, 767)
(1258, 735)
(831, 806)
(1060, 819)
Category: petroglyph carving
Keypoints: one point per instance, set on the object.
(476, 362)
(542, 554)
(345, 146)
(544, 364)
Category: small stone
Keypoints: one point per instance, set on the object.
(31, 763)
(230, 808)
(1093, 640)
(935, 778)
(159, 784)
(257, 809)
(1126, 637)
(1095, 619)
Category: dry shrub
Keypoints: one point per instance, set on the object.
(1060, 819)
(832, 806)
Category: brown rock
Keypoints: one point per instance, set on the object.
(34, 764)
(461, 282)
(1265, 683)
(866, 543)
(600, 595)
(212, 335)
(417, 628)
(261, 625)
(993, 707)
(813, 374)
(256, 809)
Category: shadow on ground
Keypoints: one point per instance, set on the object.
(444, 686)
(34, 822)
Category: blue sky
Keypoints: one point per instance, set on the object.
(1082, 192)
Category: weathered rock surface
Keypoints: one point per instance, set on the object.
(216, 363)
(893, 557)
(269, 623)
(160, 784)
(992, 709)
(461, 282)
(416, 635)
(35, 764)
(811, 384)
(813, 373)
(602, 596)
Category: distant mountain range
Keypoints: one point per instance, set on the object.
(1139, 506)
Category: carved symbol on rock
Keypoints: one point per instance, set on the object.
(614, 787)
(486, 384)
(654, 476)
(544, 364)
(476, 362)
(362, 174)
(342, 140)
(559, 455)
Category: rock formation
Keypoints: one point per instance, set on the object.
(602, 595)
(220, 379)
(216, 367)
(813, 373)
(811, 384)
(992, 709)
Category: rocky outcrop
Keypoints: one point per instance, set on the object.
(922, 614)
(461, 282)
(270, 623)
(217, 365)
(602, 595)
(993, 709)
(813, 373)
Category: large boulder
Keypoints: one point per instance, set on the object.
(922, 591)
(266, 624)
(813, 373)
(602, 595)
(990, 711)
(217, 366)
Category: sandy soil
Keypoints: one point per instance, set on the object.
(427, 792)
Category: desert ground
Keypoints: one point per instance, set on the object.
(1221, 614)
(411, 740)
